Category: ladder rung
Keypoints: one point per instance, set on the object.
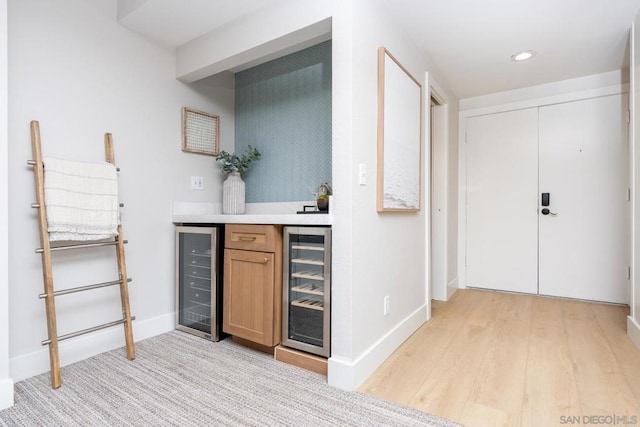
(82, 245)
(89, 330)
(33, 163)
(84, 288)
(37, 205)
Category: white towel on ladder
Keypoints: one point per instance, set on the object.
(81, 200)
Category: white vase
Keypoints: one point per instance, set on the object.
(233, 194)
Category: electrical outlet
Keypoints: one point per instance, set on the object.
(197, 183)
(386, 305)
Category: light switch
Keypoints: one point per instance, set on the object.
(197, 183)
(362, 174)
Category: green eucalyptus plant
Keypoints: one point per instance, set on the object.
(234, 163)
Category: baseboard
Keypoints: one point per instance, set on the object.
(633, 330)
(6, 394)
(351, 374)
(452, 287)
(307, 361)
(77, 349)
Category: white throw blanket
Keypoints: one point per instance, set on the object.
(81, 200)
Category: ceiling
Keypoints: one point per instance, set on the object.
(470, 41)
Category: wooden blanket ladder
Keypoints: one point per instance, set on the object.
(47, 269)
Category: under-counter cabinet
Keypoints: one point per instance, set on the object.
(198, 281)
(253, 283)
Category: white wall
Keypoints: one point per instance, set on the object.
(444, 212)
(279, 29)
(340, 369)
(6, 383)
(546, 93)
(375, 254)
(439, 205)
(80, 74)
(452, 200)
(633, 321)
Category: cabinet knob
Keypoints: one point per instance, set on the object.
(266, 260)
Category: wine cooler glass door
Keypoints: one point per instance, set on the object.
(194, 288)
(308, 292)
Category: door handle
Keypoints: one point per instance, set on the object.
(546, 211)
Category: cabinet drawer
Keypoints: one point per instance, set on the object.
(252, 237)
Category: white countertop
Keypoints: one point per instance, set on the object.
(256, 213)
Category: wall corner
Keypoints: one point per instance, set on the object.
(633, 331)
(6, 384)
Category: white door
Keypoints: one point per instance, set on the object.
(502, 188)
(579, 247)
(583, 240)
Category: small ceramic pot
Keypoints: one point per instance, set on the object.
(323, 204)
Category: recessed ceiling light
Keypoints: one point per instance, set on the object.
(523, 56)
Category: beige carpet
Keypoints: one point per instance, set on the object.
(181, 380)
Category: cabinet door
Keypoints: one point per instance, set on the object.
(249, 292)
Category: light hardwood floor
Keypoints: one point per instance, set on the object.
(492, 359)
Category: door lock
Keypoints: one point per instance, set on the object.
(545, 199)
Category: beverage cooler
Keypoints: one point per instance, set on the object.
(199, 281)
(306, 309)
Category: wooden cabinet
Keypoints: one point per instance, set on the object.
(253, 283)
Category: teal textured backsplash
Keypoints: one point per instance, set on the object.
(283, 108)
